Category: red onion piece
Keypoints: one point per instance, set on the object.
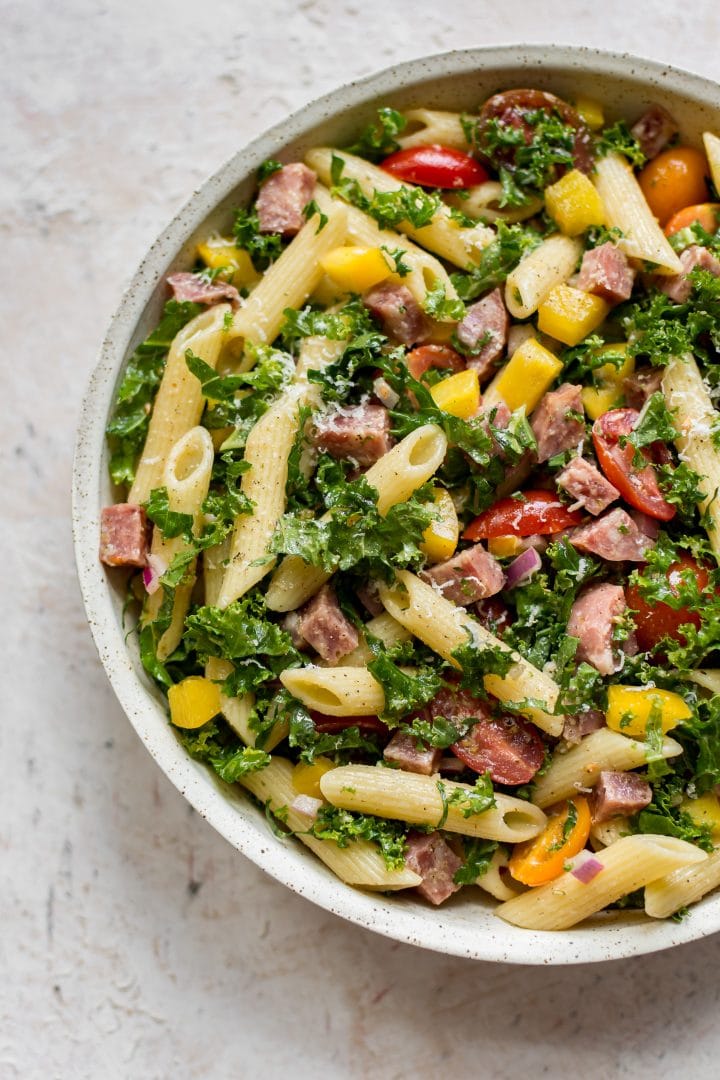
(307, 806)
(152, 573)
(522, 569)
(586, 867)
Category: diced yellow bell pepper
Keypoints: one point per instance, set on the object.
(629, 709)
(459, 394)
(529, 372)
(193, 702)
(570, 314)
(573, 202)
(306, 778)
(356, 268)
(591, 112)
(607, 390)
(705, 810)
(505, 547)
(218, 253)
(441, 537)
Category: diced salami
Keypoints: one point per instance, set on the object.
(430, 856)
(679, 286)
(403, 750)
(593, 619)
(359, 432)
(554, 423)
(579, 725)
(606, 272)
(654, 130)
(614, 536)
(199, 290)
(494, 615)
(291, 625)
(472, 575)
(325, 628)
(641, 385)
(510, 749)
(617, 793)
(398, 312)
(123, 535)
(483, 331)
(369, 596)
(587, 486)
(283, 197)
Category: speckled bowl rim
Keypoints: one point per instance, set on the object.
(468, 930)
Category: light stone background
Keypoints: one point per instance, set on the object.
(134, 942)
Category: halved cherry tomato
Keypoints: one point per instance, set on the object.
(638, 487)
(675, 178)
(543, 858)
(705, 214)
(511, 108)
(435, 166)
(538, 513)
(510, 749)
(330, 725)
(654, 621)
(420, 359)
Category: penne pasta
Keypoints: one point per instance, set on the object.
(687, 398)
(580, 767)
(627, 210)
(628, 864)
(548, 265)
(428, 127)
(429, 801)
(395, 477)
(682, 887)
(358, 864)
(238, 711)
(388, 630)
(444, 627)
(712, 150)
(709, 679)
(484, 203)
(493, 882)
(336, 691)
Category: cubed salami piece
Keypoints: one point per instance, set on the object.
(577, 726)
(593, 619)
(654, 130)
(587, 486)
(430, 856)
(641, 385)
(283, 197)
(398, 312)
(325, 628)
(606, 272)
(679, 286)
(615, 536)
(123, 535)
(403, 750)
(484, 331)
(472, 575)
(196, 288)
(618, 793)
(555, 422)
(358, 432)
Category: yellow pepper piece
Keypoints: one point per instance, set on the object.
(573, 202)
(218, 253)
(629, 709)
(356, 269)
(527, 375)
(193, 702)
(704, 810)
(505, 547)
(441, 536)
(570, 314)
(591, 112)
(459, 394)
(607, 390)
(306, 778)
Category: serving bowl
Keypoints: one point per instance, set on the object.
(466, 926)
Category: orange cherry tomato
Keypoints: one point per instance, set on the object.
(706, 214)
(543, 858)
(674, 179)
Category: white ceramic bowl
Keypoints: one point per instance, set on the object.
(456, 80)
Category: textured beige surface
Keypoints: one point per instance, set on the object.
(135, 942)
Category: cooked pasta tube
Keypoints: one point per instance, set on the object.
(628, 864)
(443, 235)
(444, 626)
(428, 127)
(605, 833)
(383, 627)
(290, 279)
(395, 477)
(428, 800)
(581, 766)
(548, 265)
(708, 678)
(682, 887)
(695, 418)
(484, 203)
(179, 402)
(187, 479)
(214, 560)
(238, 710)
(492, 881)
(360, 863)
(712, 151)
(336, 691)
(627, 210)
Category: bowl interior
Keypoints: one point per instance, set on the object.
(465, 925)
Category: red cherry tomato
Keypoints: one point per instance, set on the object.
(422, 358)
(510, 749)
(541, 513)
(638, 487)
(330, 725)
(654, 621)
(435, 166)
(510, 110)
